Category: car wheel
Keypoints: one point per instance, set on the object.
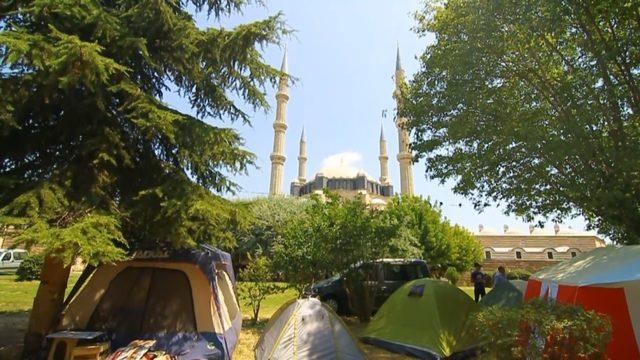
(332, 303)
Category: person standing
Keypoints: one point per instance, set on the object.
(499, 276)
(477, 278)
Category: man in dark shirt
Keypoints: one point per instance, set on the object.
(477, 278)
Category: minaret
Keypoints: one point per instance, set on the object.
(302, 159)
(404, 155)
(279, 126)
(384, 159)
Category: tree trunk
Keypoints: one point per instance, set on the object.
(47, 305)
(256, 313)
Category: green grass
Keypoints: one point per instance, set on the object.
(467, 289)
(18, 295)
(270, 304)
(251, 332)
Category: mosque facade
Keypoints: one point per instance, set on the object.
(345, 180)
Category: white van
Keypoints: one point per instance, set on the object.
(10, 259)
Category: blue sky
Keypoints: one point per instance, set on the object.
(343, 53)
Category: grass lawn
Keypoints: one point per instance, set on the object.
(468, 290)
(18, 295)
(251, 332)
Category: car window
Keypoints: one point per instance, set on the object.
(18, 255)
(395, 272)
(367, 272)
(5, 256)
(417, 271)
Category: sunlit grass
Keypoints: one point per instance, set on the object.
(468, 290)
(18, 295)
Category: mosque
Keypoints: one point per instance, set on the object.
(345, 180)
(530, 250)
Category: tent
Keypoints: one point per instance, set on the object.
(424, 318)
(504, 294)
(306, 329)
(606, 280)
(520, 285)
(184, 300)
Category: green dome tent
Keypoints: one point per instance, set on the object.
(504, 294)
(424, 318)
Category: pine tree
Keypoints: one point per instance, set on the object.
(93, 164)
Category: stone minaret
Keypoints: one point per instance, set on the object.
(279, 126)
(404, 155)
(384, 159)
(302, 160)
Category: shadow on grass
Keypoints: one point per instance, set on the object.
(250, 324)
(13, 325)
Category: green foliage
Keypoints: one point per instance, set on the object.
(534, 105)
(519, 274)
(541, 330)
(92, 162)
(30, 267)
(332, 235)
(422, 227)
(256, 284)
(266, 222)
(452, 275)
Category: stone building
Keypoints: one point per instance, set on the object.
(534, 248)
(345, 180)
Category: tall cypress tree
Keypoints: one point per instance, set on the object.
(92, 163)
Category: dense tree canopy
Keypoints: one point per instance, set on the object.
(266, 222)
(86, 143)
(92, 162)
(333, 234)
(418, 226)
(534, 104)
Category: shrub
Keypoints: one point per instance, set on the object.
(541, 330)
(30, 267)
(257, 285)
(452, 275)
(518, 274)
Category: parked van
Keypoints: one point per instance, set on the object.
(383, 276)
(10, 260)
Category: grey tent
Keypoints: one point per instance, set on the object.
(520, 285)
(504, 294)
(306, 329)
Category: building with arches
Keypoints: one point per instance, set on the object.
(535, 247)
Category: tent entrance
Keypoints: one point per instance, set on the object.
(142, 300)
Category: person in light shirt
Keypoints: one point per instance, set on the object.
(499, 276)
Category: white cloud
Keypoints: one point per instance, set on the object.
(347, 158)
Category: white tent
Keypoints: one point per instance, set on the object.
(306, 329)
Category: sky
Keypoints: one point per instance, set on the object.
(343, 53)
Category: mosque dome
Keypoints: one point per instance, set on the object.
(343, 171)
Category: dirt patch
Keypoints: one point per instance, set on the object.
(13, 325)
